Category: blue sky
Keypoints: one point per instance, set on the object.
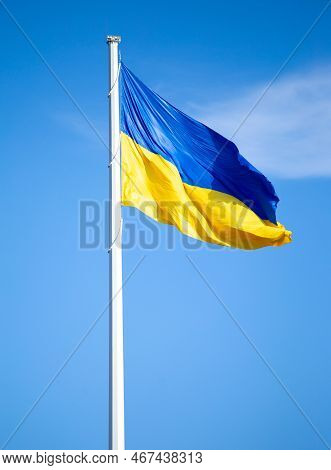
(193, 378)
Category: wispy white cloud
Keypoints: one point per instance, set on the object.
(77, 125)
(289, 132)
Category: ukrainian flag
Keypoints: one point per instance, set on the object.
(179, 172)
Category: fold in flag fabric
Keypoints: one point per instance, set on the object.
(180, 172)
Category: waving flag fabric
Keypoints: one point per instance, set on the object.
(180, 172)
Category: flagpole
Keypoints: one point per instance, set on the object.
(116, 362)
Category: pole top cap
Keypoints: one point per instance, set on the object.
(114, 39)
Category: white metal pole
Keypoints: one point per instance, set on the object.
(116, 369)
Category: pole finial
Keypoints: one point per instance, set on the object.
(114, 39)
